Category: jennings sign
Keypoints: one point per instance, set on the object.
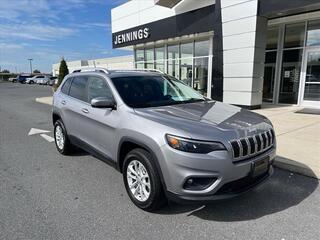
(127, 37)
(197, 21)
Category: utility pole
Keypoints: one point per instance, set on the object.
(30, 62)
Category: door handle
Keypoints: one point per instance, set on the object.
(84, 110)
(63, 102)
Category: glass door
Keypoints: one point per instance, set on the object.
(310, 91)
(269, 76)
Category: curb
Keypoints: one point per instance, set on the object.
(302, 170)
(44, 100)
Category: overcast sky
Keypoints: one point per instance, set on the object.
(47, 30)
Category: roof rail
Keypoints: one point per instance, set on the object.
(91, 69)
(140, 70)
(148, 70)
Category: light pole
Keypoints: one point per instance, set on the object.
(30, 62)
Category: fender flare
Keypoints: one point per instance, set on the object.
(144, 146)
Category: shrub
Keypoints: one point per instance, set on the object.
(63, 71)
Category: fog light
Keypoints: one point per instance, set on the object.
(198, 183)
(190, 181)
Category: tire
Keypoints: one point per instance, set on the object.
(145, 162)
(64, 147)
(31, 82)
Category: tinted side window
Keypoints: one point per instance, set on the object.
(66, 86)
(78, 88)
(97, 87)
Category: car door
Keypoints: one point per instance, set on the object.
(100, 123)
(39, 79)
(75, 108)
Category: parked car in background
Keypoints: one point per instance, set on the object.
(12, 79)
(52, 81)
(31, 80)
(39, 79)
(23, 78)
(42, 80)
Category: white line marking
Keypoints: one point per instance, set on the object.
(34, 131)
(46, 137)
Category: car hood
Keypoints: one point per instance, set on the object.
(208, 120)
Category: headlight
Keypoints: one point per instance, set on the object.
(193, 146)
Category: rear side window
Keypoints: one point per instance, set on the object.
(78, 88)
(66, 86)
(97, 87)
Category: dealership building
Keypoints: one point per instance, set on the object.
(243, 52)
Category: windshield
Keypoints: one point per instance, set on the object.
(153, 91)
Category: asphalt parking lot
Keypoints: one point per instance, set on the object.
(44, 195)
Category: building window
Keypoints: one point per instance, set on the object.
(139, 58)
(149, 58)
(294, 35)
(201, 61)
(186, 63)
(312, 81)
(173, 60)
(201, 48)
(269, 76)
(201, 75)
(160, 58)
(290, 76)
(313, 34)
(272, 38)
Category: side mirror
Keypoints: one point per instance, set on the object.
(101, 102)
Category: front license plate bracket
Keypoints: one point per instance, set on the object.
(260, 167)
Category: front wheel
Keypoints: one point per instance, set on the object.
(61, 138)
(142, 180)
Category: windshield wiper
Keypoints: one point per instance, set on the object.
(191, 100)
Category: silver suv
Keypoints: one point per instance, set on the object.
(167, 140)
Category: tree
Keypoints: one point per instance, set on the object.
(36, 71)
(63, 71)
(5, 71)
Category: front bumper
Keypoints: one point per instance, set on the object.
(245, 186)
(232, 179)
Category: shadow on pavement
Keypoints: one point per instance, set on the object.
(78, 152)
(282, 191)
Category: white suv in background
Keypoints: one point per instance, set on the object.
(39, 79)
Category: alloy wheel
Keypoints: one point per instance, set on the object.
(138, 180)
(60, 139)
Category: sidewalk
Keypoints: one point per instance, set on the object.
(298, 138)
(45, 100)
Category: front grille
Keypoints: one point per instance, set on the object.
(252, 145)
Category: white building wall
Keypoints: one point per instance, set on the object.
(243, 52)
(138, 12)
(72, 65)
(121, 62)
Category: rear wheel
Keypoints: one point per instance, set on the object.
(142, 180)
(61, 138)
